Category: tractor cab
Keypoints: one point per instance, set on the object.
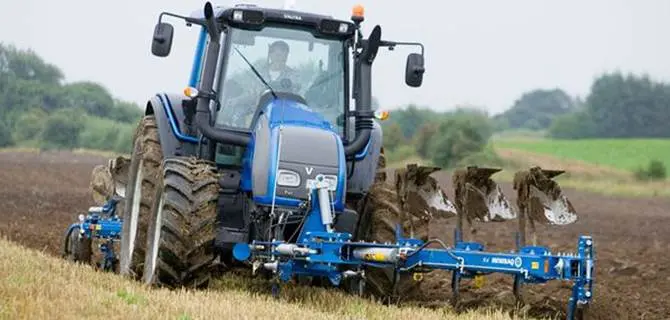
(284, 60)
(264, 55)
(270, 54)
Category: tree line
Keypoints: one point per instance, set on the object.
(38, 110)
(617, 106)
(448, 139)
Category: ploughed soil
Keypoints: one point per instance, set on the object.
(42, 193)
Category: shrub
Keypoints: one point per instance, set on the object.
(61, 130)
(655, 171)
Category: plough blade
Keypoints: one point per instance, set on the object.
(543, 197)
(479, 198)
(108, 180)
(499, 207)
(420, 193)
(553, 211)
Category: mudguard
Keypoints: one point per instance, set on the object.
(365, 164)
(167, 108)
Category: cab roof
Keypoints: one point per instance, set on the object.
(225, 13)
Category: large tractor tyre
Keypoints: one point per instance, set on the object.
(379, 211)
(414, 201)
(182, 228)
(143, 174)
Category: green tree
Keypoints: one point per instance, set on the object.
(27, 65)
(536, 109)
(94, 98)
(422, 139)
(5, 136)
(629, 106)
(576, 125)
(61, 130)
(36, 108)
(29, 125)
(619, 106)
(411, 118)
(393, 136)
(126, 112)
(460, 135)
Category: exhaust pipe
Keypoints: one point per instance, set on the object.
(203, 113)
(363, 79)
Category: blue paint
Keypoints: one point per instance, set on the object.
(313, 223)
(167, 106)
(241, 251)
(363, 153)
(197, 59)
(328, 254)
(286, 112)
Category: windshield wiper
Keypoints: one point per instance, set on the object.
(257, 73)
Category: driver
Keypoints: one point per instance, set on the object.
(278, 73)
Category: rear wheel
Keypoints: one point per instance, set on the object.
(409, 202)
(77, 248)
(144, 165)
(182, 230)
(379, 212)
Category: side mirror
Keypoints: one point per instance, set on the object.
(162, 40)
(414, 70)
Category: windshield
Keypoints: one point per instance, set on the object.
(288, 60)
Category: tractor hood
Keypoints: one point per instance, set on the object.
(290, 145)
(290, 109)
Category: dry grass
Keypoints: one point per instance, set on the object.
(36, 286)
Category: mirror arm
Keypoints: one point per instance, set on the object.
(189, 20)
(392, 44)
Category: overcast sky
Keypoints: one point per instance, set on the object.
(484, 53)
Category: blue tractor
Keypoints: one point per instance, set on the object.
(266, 115)
(262, 162)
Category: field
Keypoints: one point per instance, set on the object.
(623, 154)
(41, 193)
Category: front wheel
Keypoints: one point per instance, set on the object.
(144, 165)
(182, 230)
